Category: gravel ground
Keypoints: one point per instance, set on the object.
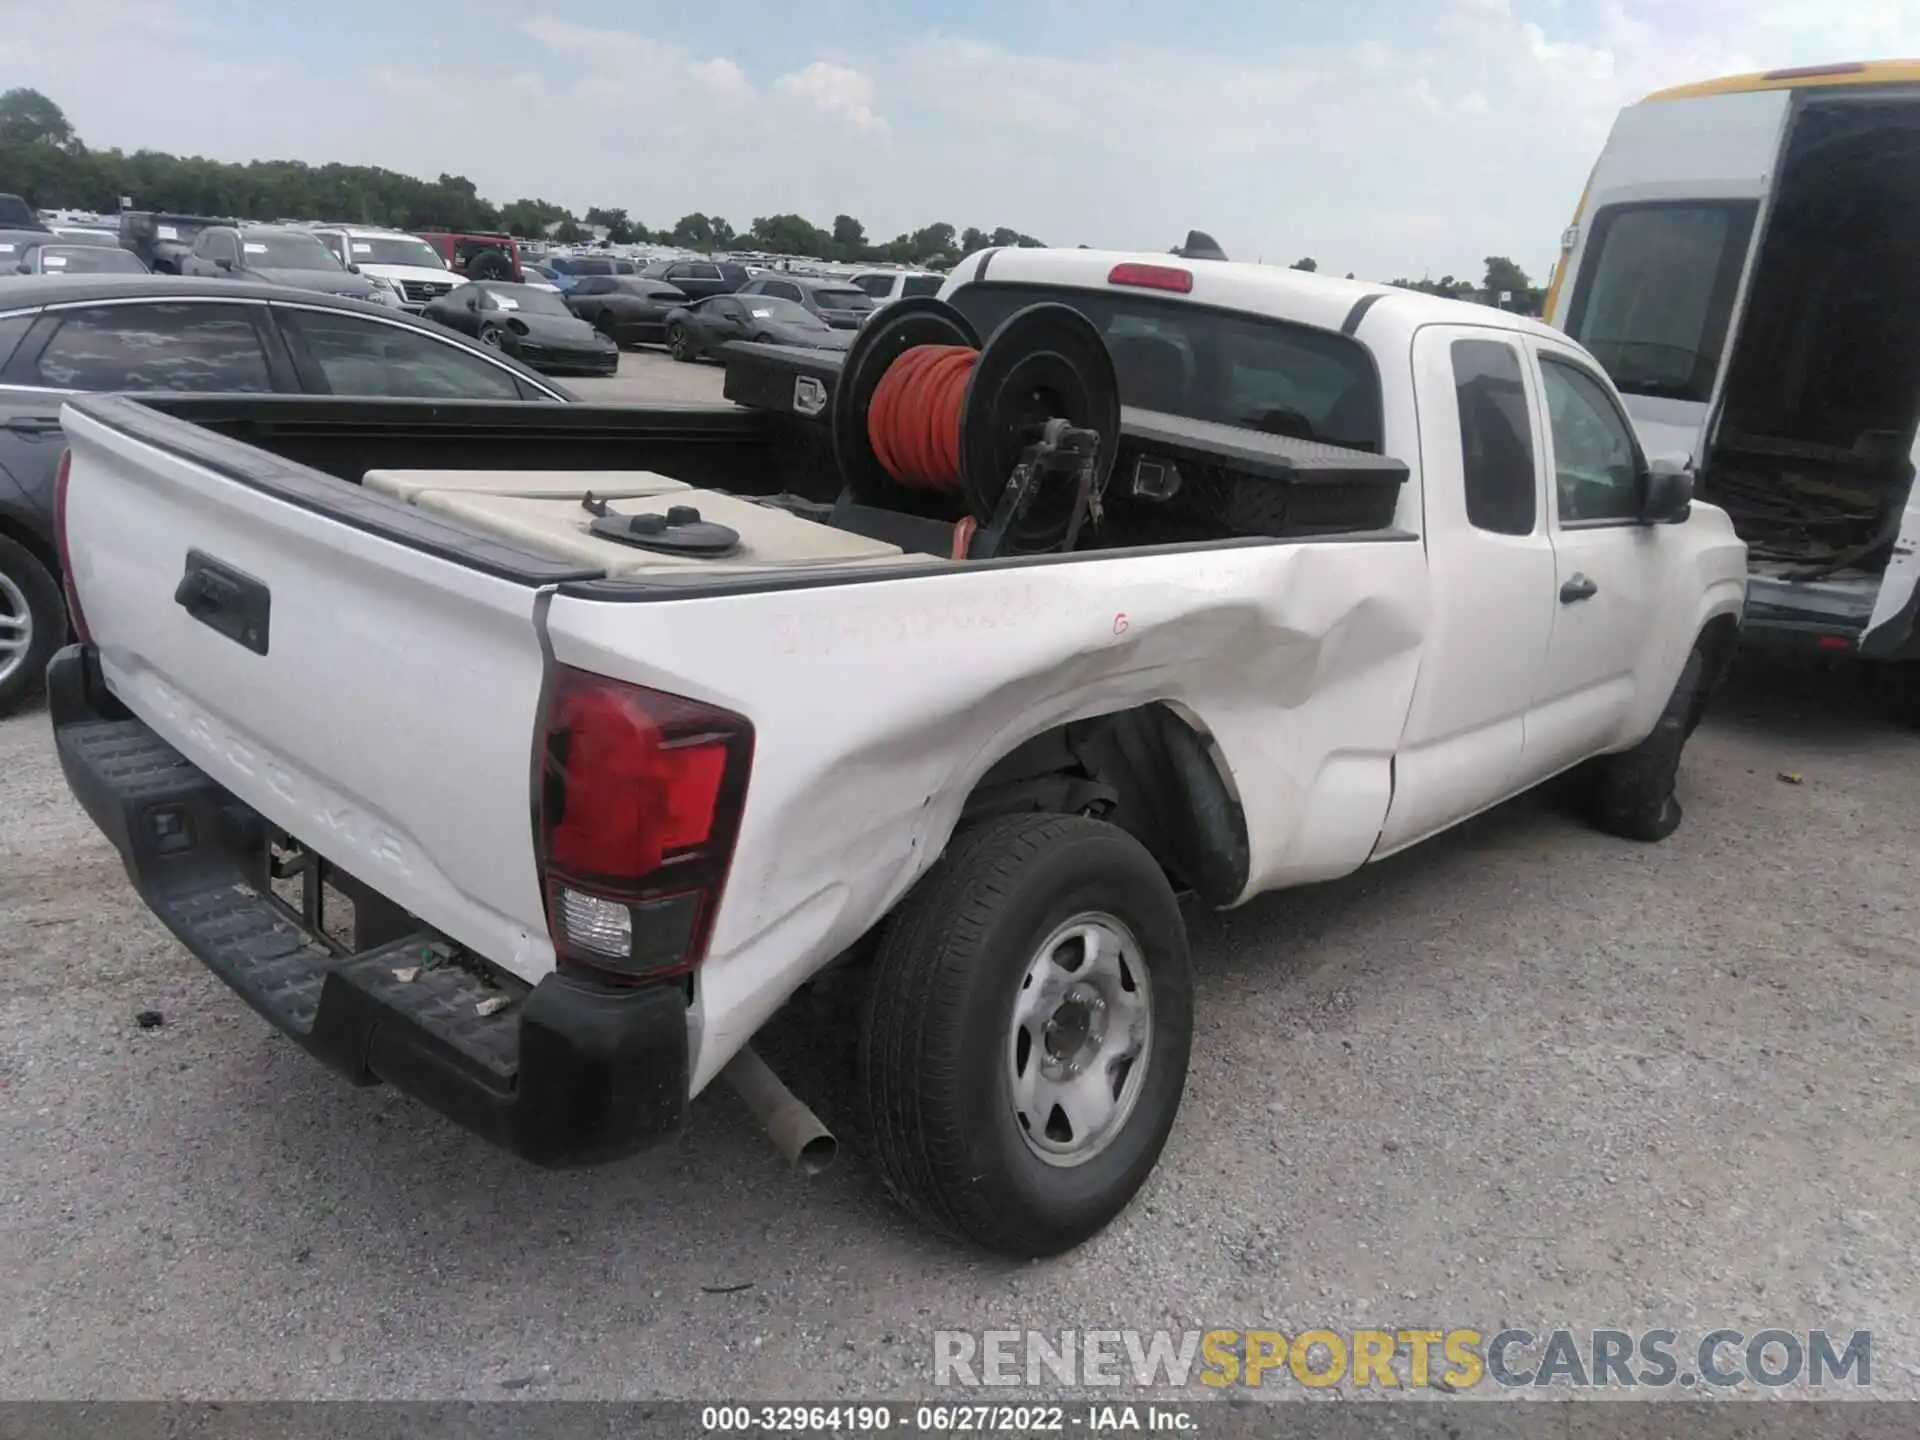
(1525, 1075)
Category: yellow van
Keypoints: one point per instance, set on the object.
(1745, 263)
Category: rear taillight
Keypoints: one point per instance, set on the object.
(76, 618)
(1152, 277)
(640, 802)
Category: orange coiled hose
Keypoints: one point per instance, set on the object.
(913, 420)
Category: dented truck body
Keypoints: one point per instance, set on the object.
(1257, 711)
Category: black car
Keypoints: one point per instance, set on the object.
(64, 257)
(277, 255)
(16, 214)
(700, 329)
(840, 303)
(625, 308)
(161, 332)
(697, 278)
(533, 326)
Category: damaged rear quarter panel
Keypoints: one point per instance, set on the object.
(878, 704)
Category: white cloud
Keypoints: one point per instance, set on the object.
(1426, 138)
(835, 90)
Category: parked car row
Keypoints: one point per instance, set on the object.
(565, 313)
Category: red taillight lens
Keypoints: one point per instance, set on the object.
(76, 618)
(641, 797)
(1152, 277)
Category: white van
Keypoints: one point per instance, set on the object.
(1746, 265)
(407, 265)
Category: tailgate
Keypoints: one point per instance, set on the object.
(330, 658)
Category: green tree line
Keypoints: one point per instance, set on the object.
(43, 160)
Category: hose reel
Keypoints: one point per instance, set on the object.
(1019, 435)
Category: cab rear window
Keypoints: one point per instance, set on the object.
(1218, 365)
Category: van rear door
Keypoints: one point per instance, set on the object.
(1658, 258)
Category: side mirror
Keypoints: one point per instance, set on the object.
(1668, 496)
(353, 269)
(223, 263)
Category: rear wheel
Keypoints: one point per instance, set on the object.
(492, 337)
(1633, 792)
(679, 343)
(606, 327)
(1027, 1032)
(33, 623)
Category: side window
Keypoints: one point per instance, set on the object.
(372, 357)
(922, 285)
(1596, 464)
(1496, 437)
(593, 285)
(204, 348)
(224, 247)
(782, 290)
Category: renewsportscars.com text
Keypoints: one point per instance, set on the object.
(1449, 1360)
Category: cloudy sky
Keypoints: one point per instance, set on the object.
(1385, 137)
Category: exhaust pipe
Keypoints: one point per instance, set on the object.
(796, 1131)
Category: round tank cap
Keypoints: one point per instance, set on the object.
(669, 534)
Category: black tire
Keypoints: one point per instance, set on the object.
(490, 265)
(938, 1044)
(764, 339)
(1632, 794)
(607, 328)
(680, 344)
(29, 594)
(1893, 688)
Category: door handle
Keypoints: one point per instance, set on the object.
(226, 601)
(1578, 588)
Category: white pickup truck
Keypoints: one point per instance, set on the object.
(602, 794)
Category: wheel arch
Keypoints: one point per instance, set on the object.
(31, 541)
(1154, 770)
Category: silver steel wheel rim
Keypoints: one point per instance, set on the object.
(16, 628)
(491, 338)
(1080, 1040)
